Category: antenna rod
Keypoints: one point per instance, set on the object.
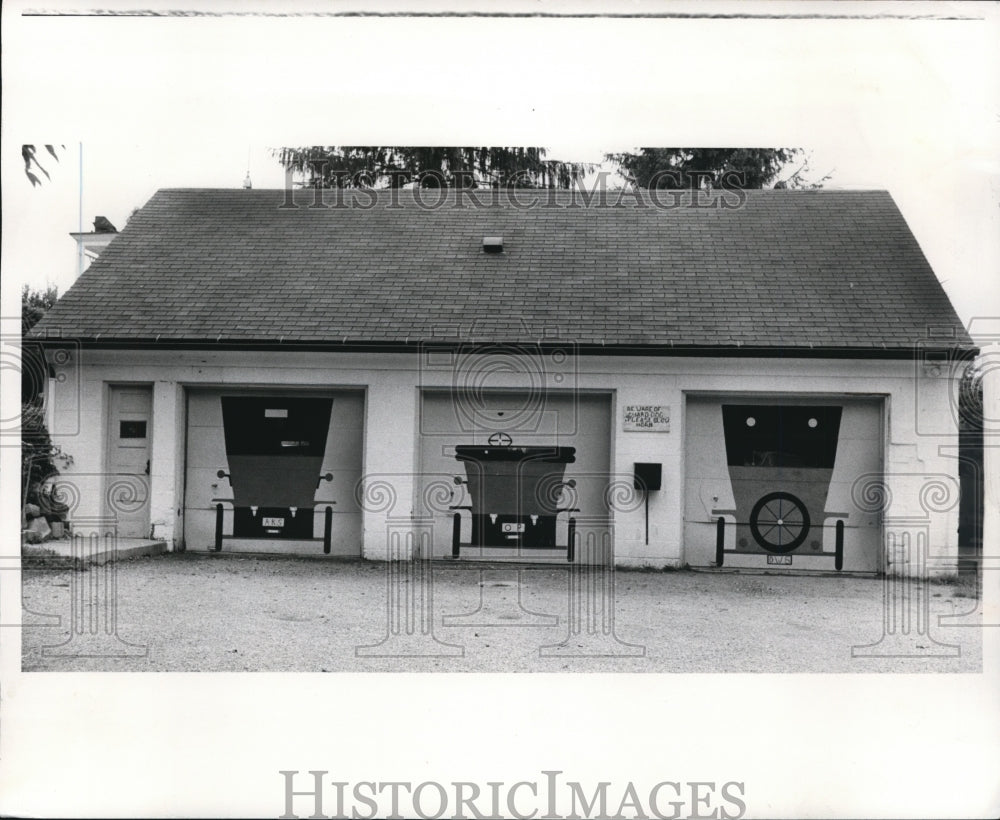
(79, 255)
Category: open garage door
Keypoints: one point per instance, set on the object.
(519, 470)
(768, 483)
(273, 472)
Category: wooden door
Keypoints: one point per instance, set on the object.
(129, 452)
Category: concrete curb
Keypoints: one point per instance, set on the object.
(62, 552)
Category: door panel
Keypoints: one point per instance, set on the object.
(276, 451)
(581, 422)
(780, 474)
(129, 452)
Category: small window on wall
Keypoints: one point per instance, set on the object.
(796, 436)
(132, 429)
(276, 425)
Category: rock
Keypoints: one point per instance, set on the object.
(40, 527)
(32, 511)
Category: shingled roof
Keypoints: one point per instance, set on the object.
(788, 271)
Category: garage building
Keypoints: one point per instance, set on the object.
(746, 379)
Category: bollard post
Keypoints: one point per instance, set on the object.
(720, 541)
(327, 530)
(838, 558)
(218, 527)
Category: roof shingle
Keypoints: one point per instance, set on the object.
(784, 270)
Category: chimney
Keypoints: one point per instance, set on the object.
(90, 244)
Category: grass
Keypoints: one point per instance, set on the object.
(963, 586)
(37, 556)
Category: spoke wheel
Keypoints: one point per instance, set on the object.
(779, 522)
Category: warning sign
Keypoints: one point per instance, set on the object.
(646, 418)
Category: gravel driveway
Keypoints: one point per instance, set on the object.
(184, 612)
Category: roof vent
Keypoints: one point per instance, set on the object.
(492, 244)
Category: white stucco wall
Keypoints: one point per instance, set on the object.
(922, 482)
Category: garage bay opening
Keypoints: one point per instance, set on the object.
(770, 483)
(273, 472)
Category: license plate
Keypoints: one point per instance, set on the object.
(273, 522)
(784, 560)
(512, 528)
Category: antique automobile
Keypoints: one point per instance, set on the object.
(513, 493)
(780, 460)
(274, 449)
